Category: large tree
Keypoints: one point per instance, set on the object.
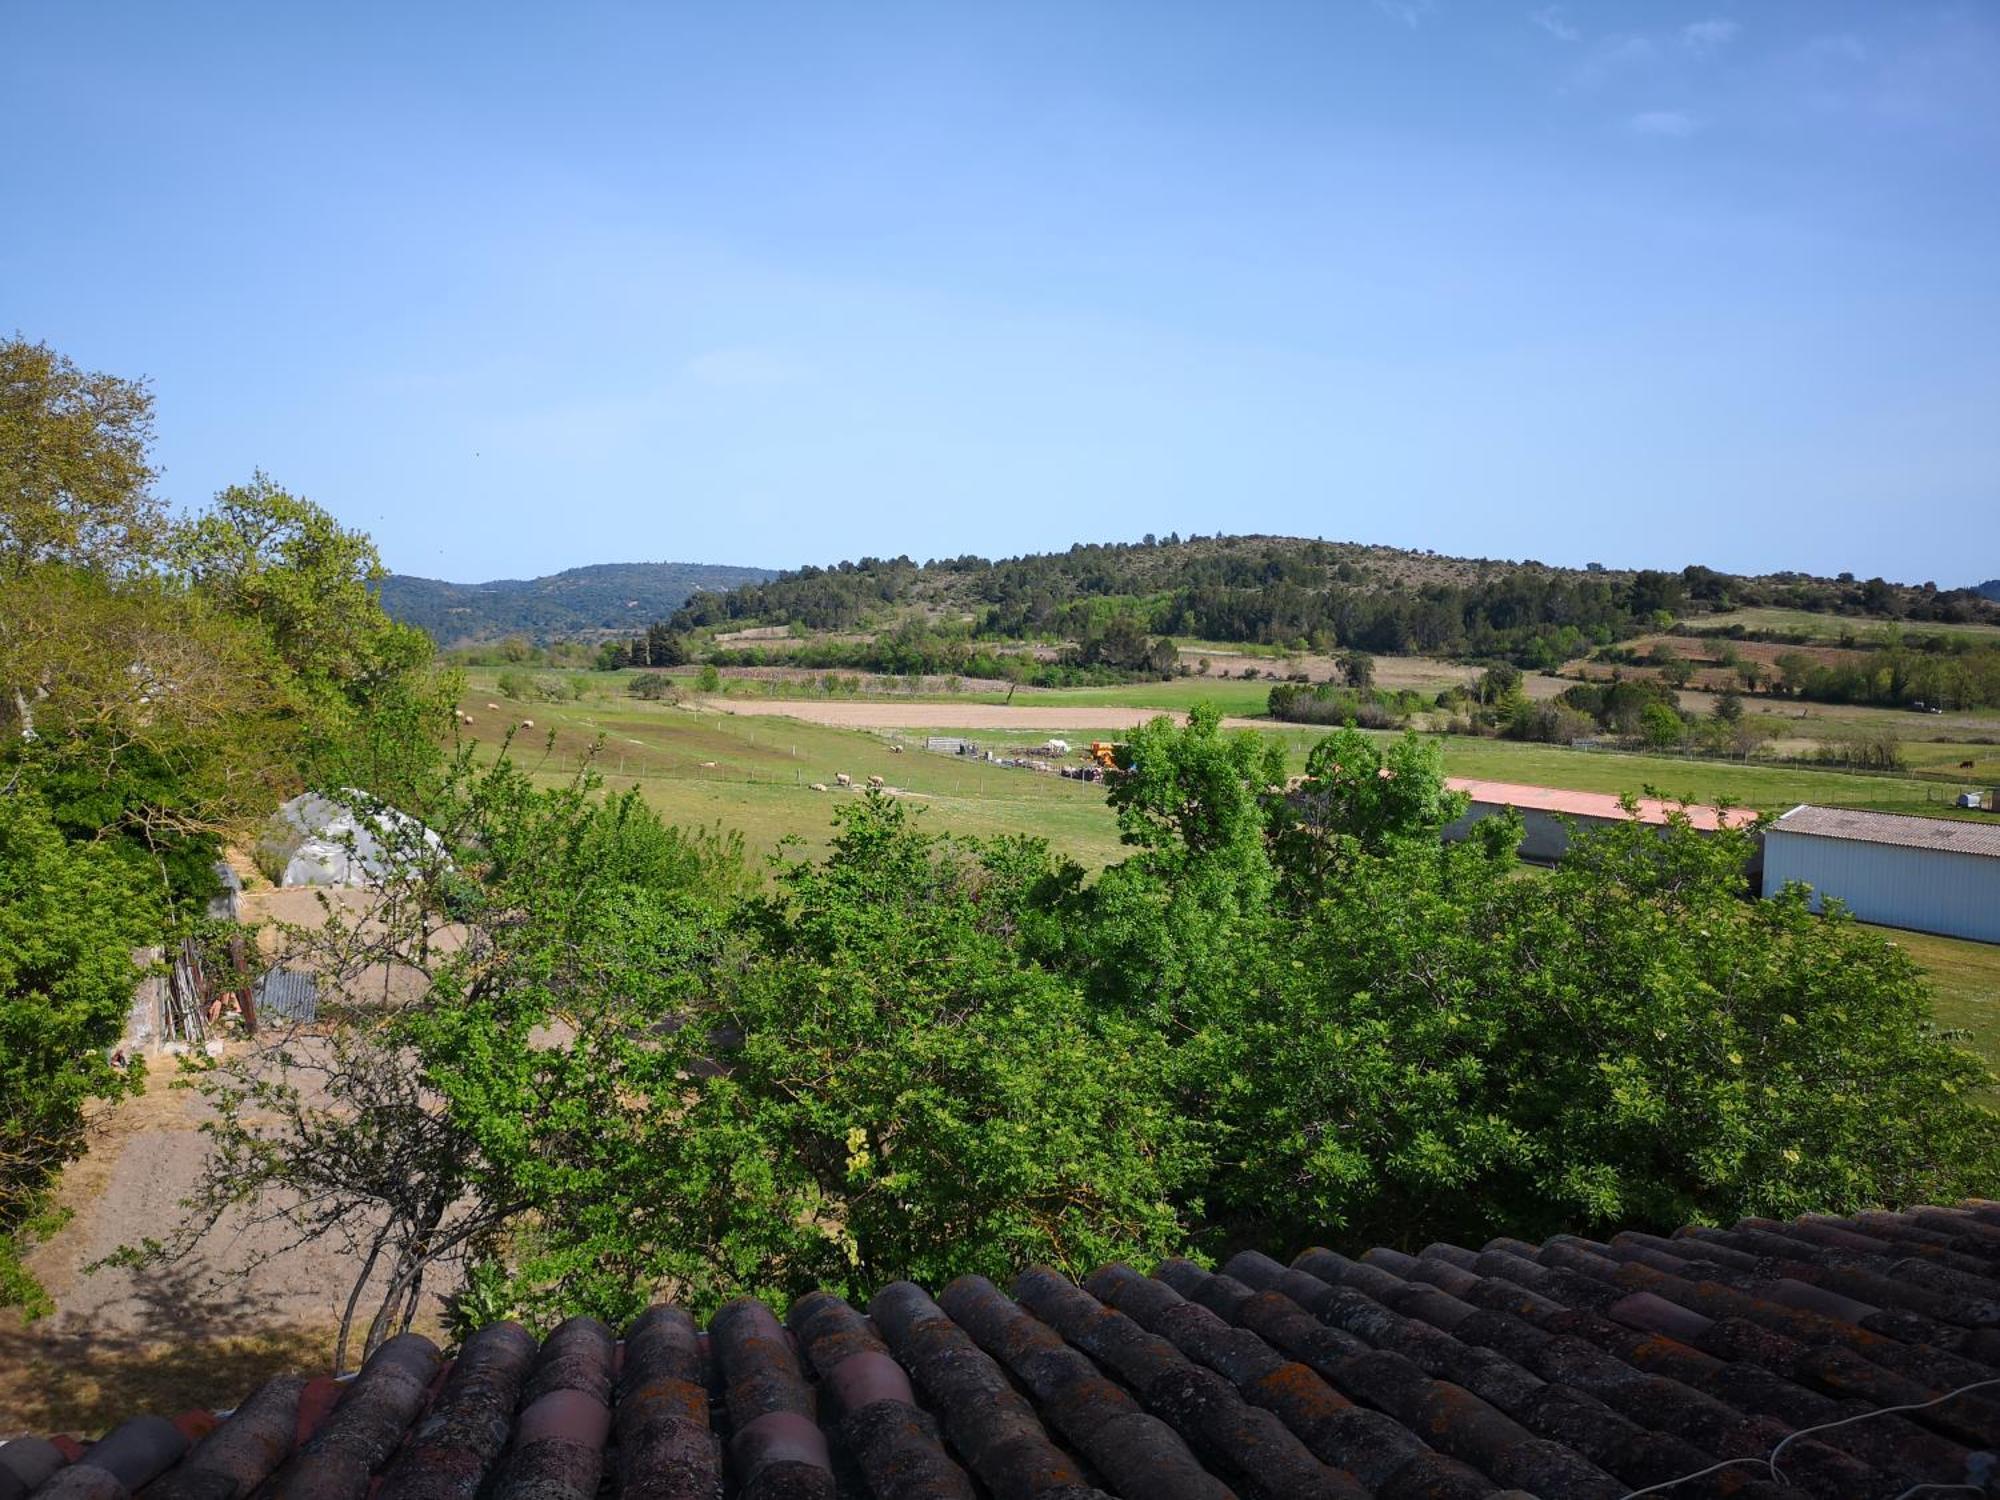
(75, 470)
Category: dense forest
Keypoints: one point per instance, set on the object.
(1315, 594)
(579, 601)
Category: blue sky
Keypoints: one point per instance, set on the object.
(522, 287)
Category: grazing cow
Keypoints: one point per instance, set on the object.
(494, 706)
(895, 749)
(875, 781)
(819, 786)
(841, 778)
(708, 765)
(1965, 765)
(527, 723)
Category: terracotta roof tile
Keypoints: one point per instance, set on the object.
(1574, 1368)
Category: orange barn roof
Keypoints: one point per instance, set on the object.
(1592, 804)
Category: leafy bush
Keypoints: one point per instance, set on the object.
(1550, 723)
(654, 687)
(1296, 703)
(70, 916)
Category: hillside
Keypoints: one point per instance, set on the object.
(1988, 590)
(1289, 590)
(577, 602)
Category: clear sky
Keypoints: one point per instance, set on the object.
(518, 287)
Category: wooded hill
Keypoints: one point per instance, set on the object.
(578, 601)
(1290, 591)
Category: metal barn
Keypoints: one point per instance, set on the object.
(1937, 875)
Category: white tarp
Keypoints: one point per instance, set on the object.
(316, 840)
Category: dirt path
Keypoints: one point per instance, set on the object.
(163, 1338)
(1027, 716)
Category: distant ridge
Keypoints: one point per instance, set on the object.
(1989, 589)
(577, 601)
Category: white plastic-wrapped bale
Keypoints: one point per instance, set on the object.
(317, 840)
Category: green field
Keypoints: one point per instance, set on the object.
(1831, 627)
(756, 775)
(1236, 697)
(1765, 788)
(1967, 977)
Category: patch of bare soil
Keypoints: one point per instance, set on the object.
(198, 1332)
(1023, 717)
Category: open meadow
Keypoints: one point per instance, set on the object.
(755, 774)
(1966, 979)
(1829, 627)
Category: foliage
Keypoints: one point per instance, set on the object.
(1625, 1041)
(156, 722)
(1329, 703)
(912, 1096)
(1291, 591)
(654, 686)
(1625, 705)
(1292, 1008)
(70, 916)
(498, 1080)
(161, 688)
(75, 475)
(283, 564)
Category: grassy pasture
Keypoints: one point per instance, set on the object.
(1833, 627)
(1966, 977)
(756, 775)
(654, 743)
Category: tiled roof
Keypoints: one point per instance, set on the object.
(1958, 836)
(1569, 1369)
(1594, 804)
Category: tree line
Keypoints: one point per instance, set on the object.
(1298, 593)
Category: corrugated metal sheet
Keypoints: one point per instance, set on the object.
(1951, 835)
(287, 995)
(1899, 885)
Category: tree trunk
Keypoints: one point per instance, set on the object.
(354, 1299)
(378, 1328)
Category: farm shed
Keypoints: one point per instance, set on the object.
(1548, 813)
(1937, 875)
(1839, 1355)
